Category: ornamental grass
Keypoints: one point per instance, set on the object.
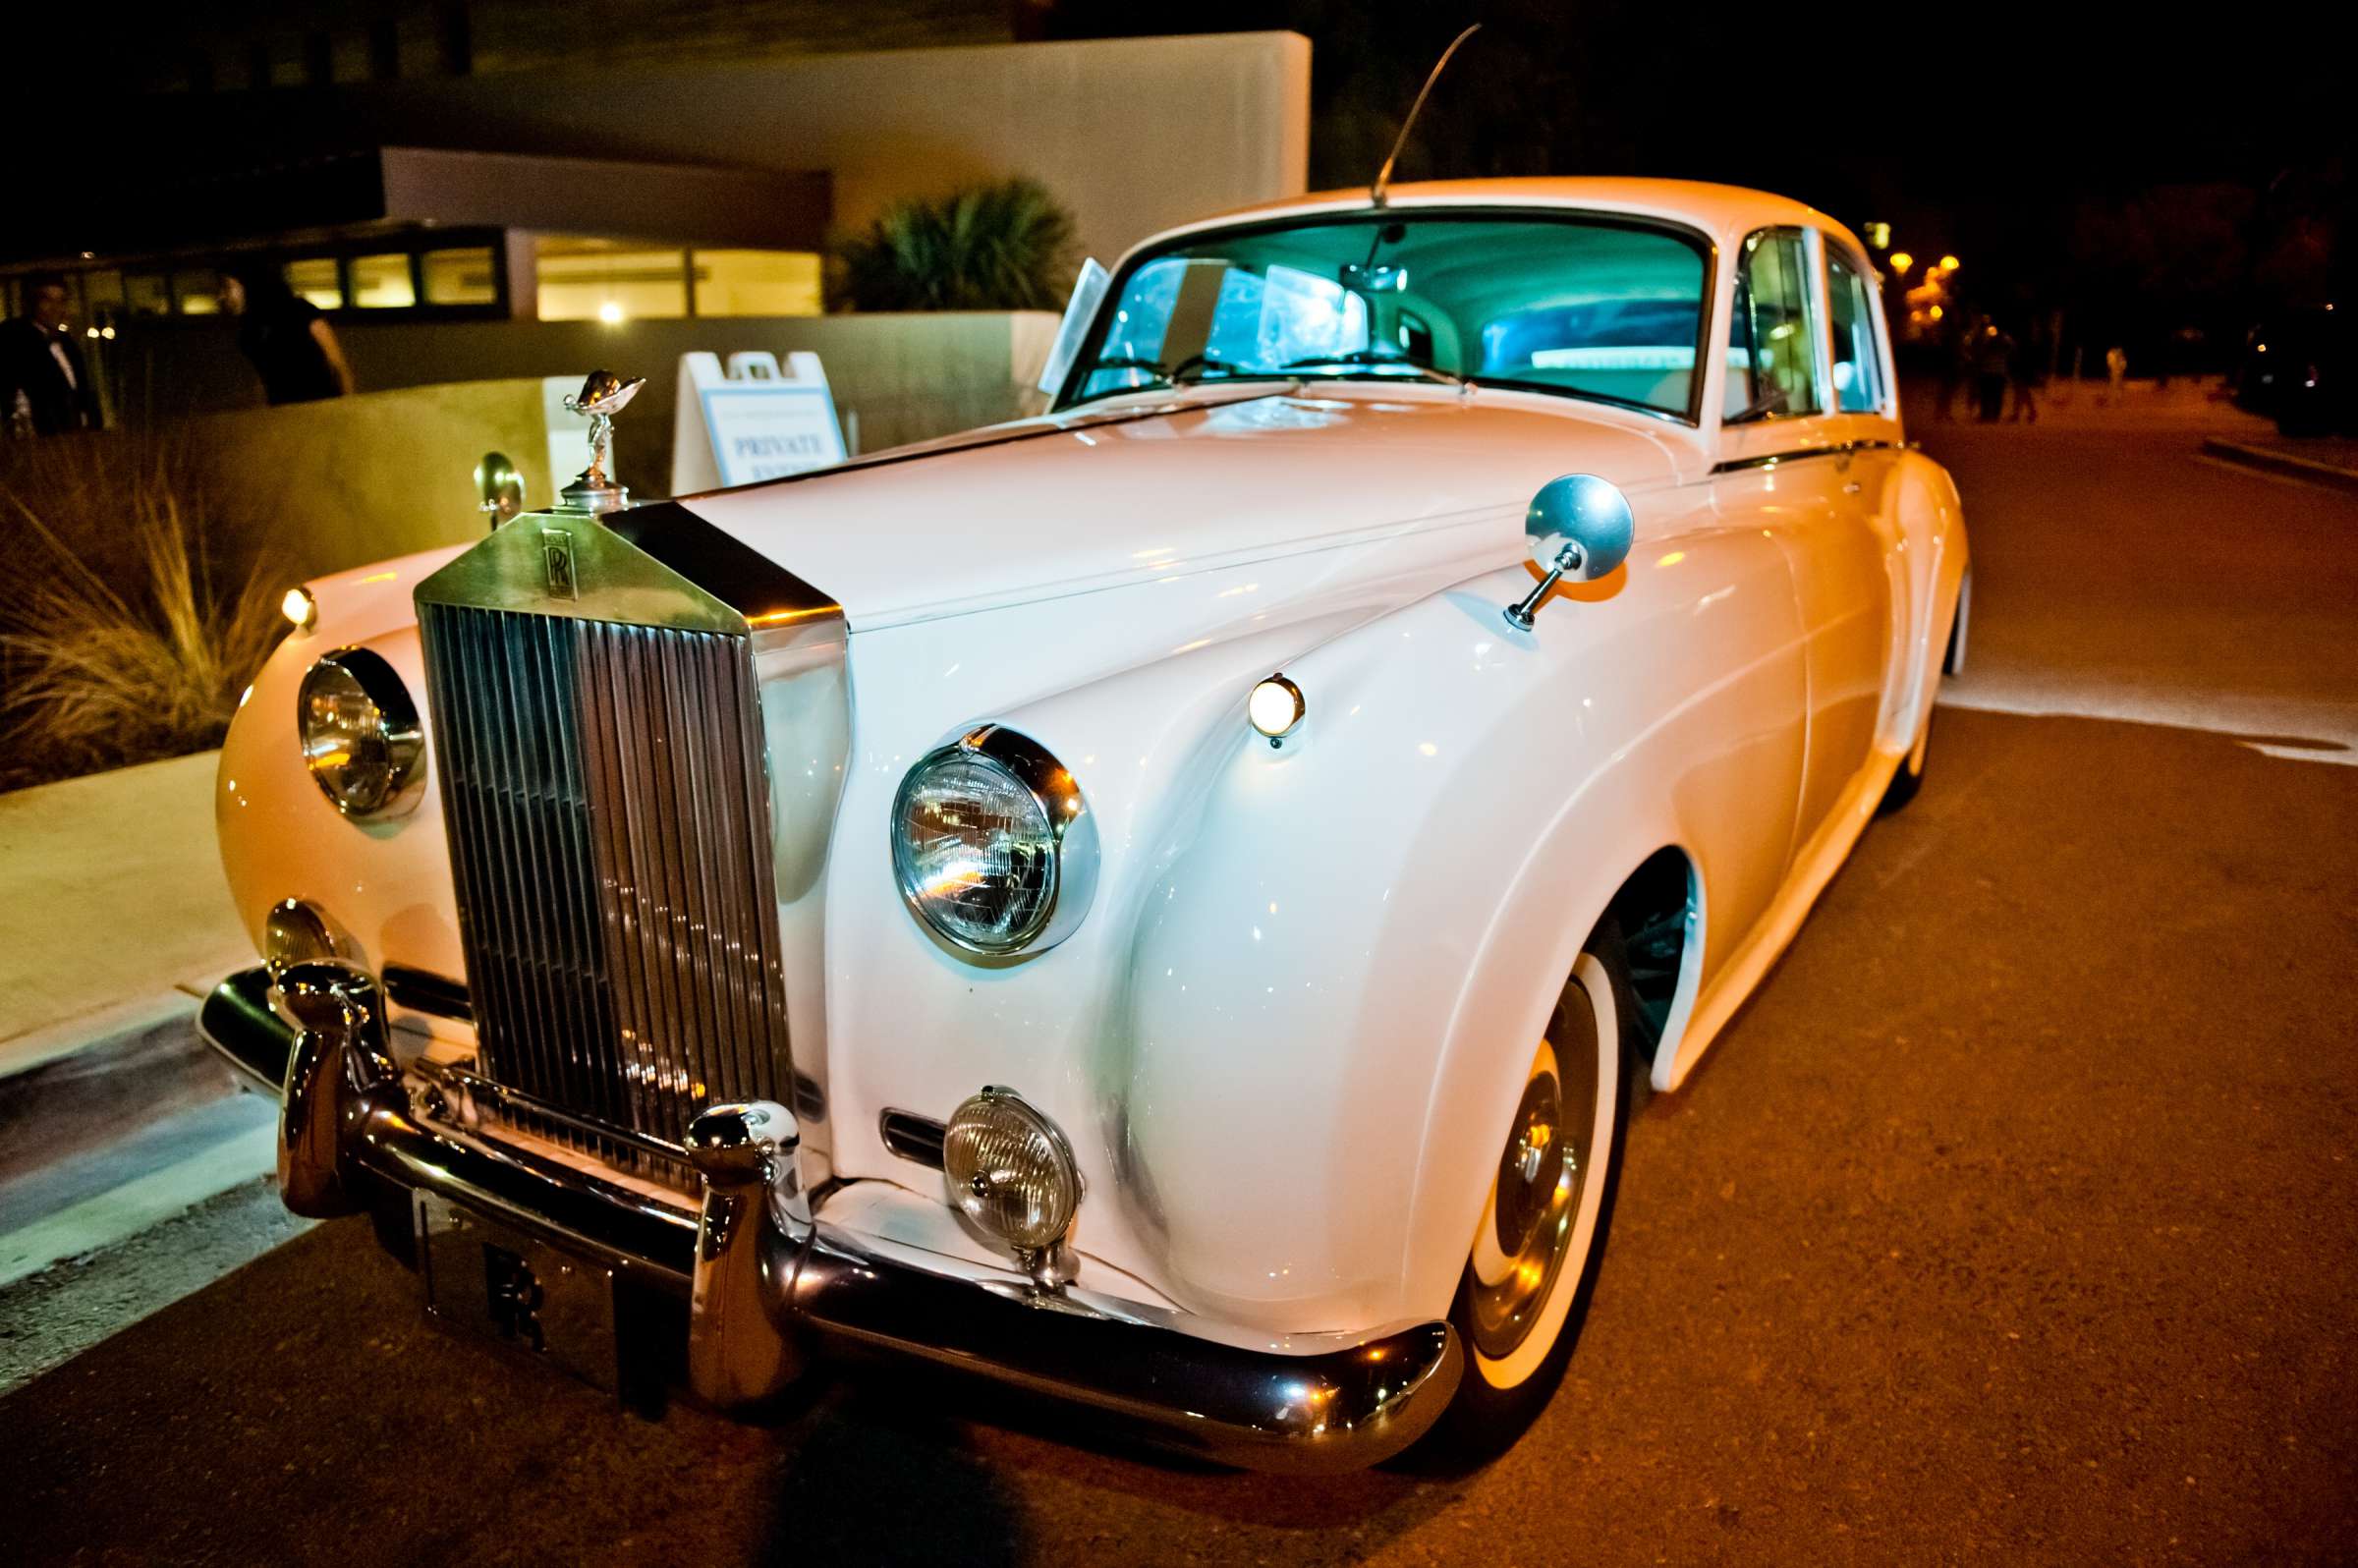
(132, 615)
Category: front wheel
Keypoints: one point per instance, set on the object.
(1533, 1262)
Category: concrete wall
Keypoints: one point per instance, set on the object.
(905, 377)
(1132, 135)
(366, 477)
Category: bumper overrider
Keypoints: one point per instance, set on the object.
(769, 1285)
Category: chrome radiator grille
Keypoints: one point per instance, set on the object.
(604, 792)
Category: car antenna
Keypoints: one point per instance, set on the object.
(1383, 176)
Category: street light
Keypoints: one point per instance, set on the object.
(1948, 263)
(1900, 262)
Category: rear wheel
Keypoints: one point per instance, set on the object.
(1533, 1262)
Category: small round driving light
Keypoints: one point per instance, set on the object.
(299, 608)
(1276, 709)
(297, 932)
(1010, 1171)
(361, 736)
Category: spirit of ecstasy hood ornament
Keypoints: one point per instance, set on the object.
(602, 396)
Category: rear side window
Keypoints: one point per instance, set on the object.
(1858, 369)
(1772, 356)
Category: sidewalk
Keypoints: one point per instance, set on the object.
(112, 904)
(114, 1116)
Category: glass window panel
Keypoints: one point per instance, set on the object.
(461, 276)
(317, 279)
(1858, 369)
(756, 283)
(147, 293)
(382, 282)
(1772, 353)
(103, 289)
(197, 293)
(1605, 310)
(604, 280)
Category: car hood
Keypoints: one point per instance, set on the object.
(1046, 508)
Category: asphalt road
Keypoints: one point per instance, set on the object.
(2015, 1220)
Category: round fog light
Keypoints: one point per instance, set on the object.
(297, 932)
(1010, 1171)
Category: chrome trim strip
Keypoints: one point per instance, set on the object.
(770, 1278)
(1841, 449)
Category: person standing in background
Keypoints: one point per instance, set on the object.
(2117, 373)
(2023, 371)
(1993, 356)
(290, 342)
(45, 387)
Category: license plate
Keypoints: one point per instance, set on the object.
(491, 1279)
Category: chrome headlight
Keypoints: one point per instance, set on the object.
(1010, 1170)
(361, 736)
(993, 844)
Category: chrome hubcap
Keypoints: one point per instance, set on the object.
(1521, 1251)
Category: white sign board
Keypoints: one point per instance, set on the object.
(750, 422)
(763, 431)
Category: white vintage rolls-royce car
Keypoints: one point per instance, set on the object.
(1165, 904)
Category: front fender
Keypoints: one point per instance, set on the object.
(386, 882)
(1336, 986)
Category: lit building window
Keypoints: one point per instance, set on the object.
(756, 283)
(147, 294)
(382, 282)
(197, 293)
(314, 278)
(607, 280)
(459, 276)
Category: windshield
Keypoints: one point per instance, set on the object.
(1586, 307)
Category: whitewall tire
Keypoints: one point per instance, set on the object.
(1536, 1254)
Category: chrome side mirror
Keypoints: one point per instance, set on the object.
(1578, 526)
(501, 485)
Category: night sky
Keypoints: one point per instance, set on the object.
(2129, 165)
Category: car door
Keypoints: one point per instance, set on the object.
(1787, 464)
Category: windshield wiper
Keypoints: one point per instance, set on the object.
(1370, 356)
(1185, 372)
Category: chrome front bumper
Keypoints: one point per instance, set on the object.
(769, 1285)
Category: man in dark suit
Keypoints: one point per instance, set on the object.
(45, 387)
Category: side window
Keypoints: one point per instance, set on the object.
(1858, 369)
(1771, 357)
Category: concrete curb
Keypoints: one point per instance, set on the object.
(2330, 474)
(124, 1070)
(94, 1030)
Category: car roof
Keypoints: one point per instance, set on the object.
(1725, 212)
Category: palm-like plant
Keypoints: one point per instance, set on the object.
(1004, 246)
